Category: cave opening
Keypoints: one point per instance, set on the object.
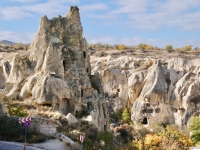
(145, 121)
(157, 110)
(84, 54)
(64, 64)
(89, 106)
(81, 93)
(65, 106)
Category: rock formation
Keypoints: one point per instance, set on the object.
(159, 91)
(55, 71)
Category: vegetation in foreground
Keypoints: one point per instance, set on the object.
(12, 130)
(122, 135)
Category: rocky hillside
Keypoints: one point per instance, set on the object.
(159, 86)
(60, 73)
(55, 71)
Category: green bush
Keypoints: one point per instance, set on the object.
(187, 48)
(17, 111)
(142, 46)
(12, 130)
(126, 115)
(122, 47)
(194, 126)
(169, 48)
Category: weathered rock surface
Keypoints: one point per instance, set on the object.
(158, 90)
(55, 71)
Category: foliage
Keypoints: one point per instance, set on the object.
(195, 137)
(169, 48)
(194, 126)
(107, 139)
(12, 130)
(82, 113)
(88, 145)
(194, 123)
(126, 115)
(17, 111)
(187, 48)
(142, 46)
(148, 47)
(122, 47)
(172, 138)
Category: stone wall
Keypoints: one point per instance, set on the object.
(42, 125)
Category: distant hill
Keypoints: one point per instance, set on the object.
(6, 42)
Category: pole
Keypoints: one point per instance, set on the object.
(81, 146)
(25, 138)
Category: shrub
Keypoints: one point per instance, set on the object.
(12, 130)
(107, 139)
(122, 47)
(194, 126)
(142, 46)
(126, 115)
(148, 47)
(17, 111)
(187, 48)
(169, 48)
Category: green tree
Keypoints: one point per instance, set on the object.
(194, 126)
(172, 138)
(107, 138)
(126, 115)
(169, 47)
(187, 48)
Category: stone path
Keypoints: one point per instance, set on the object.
(14, 146)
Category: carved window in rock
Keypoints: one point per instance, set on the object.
(87, 70)
(118, 90)
(64, 64)
(90, 106)
(174, 110)
(84, 54)
(147, 111)
(145, 121)
(147, 105)
(105, 126)
(81, 93)
(157, 110)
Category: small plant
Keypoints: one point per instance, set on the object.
(126, 115)
(187, 48)
(148, 47)
(122, 47)
(169, 48)
(142, 46)
(17, 111)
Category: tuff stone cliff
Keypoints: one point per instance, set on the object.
(164, 90)
(55, 71)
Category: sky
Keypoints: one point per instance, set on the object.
(130, 22)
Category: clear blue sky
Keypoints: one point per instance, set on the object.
(130, 22)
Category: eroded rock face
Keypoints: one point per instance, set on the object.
(157, 92)
(56, 70)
